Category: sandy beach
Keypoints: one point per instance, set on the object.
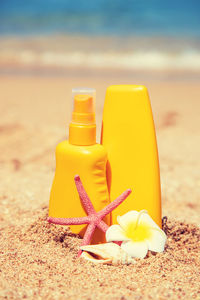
(38, 260)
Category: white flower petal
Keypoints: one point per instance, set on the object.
(135, 249)
(127, 219)
(157, 240)
(146, 219)
(115, 233)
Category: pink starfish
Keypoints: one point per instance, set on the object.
(93, 219)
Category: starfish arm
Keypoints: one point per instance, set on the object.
(110, 207)
(103, 226)
(87, 236)
(68, 221)
(83, 196)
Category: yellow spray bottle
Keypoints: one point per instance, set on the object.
(83, 156)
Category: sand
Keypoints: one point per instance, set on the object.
(38, 260)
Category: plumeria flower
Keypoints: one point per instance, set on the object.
(138, 233)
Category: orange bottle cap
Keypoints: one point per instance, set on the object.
(82, 129)
(83, 110)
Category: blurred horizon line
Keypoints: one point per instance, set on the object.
(63, 52)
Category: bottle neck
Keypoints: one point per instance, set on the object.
(82, 135)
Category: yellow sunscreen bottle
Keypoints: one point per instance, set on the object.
(82, 156)
(128, 135)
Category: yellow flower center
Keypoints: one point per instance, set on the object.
(138, 233)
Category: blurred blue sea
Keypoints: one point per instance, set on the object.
(101, 17)
(104, 34)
